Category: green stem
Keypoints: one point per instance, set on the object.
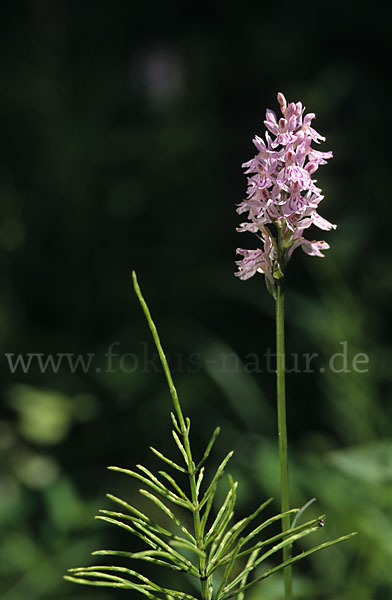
(196, 517)
(282, 429)
(162, 356)
(184, 428)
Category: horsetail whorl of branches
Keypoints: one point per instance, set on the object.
(225, 557)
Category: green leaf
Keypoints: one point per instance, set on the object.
(98, 568)
(286, 542)
(234, 532)
(248, 569)
(153, 527)
(150, 523)
(266, 523)
(112, 584)
(301, 512)
(168, 512)
(181, 448)
(224, 515)
(226, 574)
(160, 488)
(283, 534)
(127, 506)
(217, 476)
(128, 529)
(176, 426)
(176, 556)
(146, 586)
(222, 558)
(278, 536)
(209, 447)
(208, 507)
(189, 546)
(152, 556)
(167, 460)
(293, 560)
(113, 581)
(277, 271)
(152, 540)
(152, 477)
(198, 482)
(173, 482)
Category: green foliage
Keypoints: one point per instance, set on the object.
(94, 175)
(219, 555)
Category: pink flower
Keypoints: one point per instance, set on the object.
(256, 261)
(312, 248)
(282, 196)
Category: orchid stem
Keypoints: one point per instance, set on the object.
(282, 430)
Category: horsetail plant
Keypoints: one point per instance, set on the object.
(224, 558)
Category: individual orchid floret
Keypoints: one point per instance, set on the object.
(282, 196)
(256, 261)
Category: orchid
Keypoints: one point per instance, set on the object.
(281, 204)
(282, 197)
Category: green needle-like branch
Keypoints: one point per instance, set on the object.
(183, 445)
(161, 353)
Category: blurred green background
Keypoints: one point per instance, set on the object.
(124, 126)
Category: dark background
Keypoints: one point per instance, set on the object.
(123, 129)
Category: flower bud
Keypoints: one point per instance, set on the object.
(298, 109)
(290, 111)
(282, 101)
